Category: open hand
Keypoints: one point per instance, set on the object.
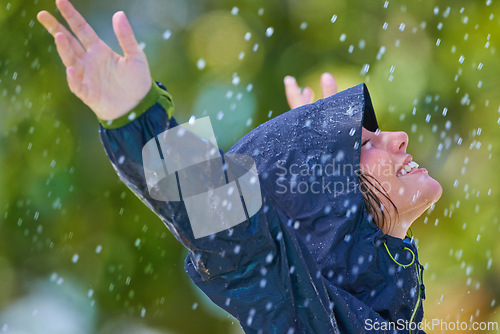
(111, 85)
(297, 97)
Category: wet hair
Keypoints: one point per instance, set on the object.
(373, 194)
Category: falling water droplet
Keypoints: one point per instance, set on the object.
(167, 34)
(201, 64)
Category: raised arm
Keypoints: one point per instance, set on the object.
(258, 270)
(110, 84)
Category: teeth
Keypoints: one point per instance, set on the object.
(407, 168)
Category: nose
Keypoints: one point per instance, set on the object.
(397, 141)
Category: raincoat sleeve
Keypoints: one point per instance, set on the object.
(258, 270)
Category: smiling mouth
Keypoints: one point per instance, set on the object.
(408, 168)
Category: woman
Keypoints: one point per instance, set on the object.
(326, 252)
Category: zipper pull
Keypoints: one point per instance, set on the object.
(422, 286)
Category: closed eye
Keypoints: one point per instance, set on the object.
(364, 143)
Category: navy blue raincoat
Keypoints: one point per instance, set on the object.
(311, 260)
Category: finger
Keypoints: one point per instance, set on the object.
(307, 95)
(292, 92)
(77, 23)
(53, 26)
(125, 36)
(65, 52)
(328, 85)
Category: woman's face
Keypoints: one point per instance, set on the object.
(411, 189)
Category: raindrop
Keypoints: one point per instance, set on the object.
(261, 11)
(74, 259)
(386, 4)
(142, 45)
(269, 31)
(303, 26)
(334, 18)
(235, 11)
(269, 258)
(236, 79)
(402, 27)
(167, 34)
(385, 26)
(381, 52)
(365, 69)
(143, 312)
(195, 306)
(250, 317)
(201, 63)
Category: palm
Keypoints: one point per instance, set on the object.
(112, 84)
(108, 83)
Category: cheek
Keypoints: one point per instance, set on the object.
(377, 165)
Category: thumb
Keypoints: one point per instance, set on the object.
(328, 85)
(125, 36)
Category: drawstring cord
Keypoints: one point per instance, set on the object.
(399, 264)
(420, 280)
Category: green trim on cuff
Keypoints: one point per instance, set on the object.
(154, 96)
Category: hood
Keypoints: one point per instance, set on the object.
(308, 159)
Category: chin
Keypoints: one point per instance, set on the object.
(433, 191)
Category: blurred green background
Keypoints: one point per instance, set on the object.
(80, 254)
